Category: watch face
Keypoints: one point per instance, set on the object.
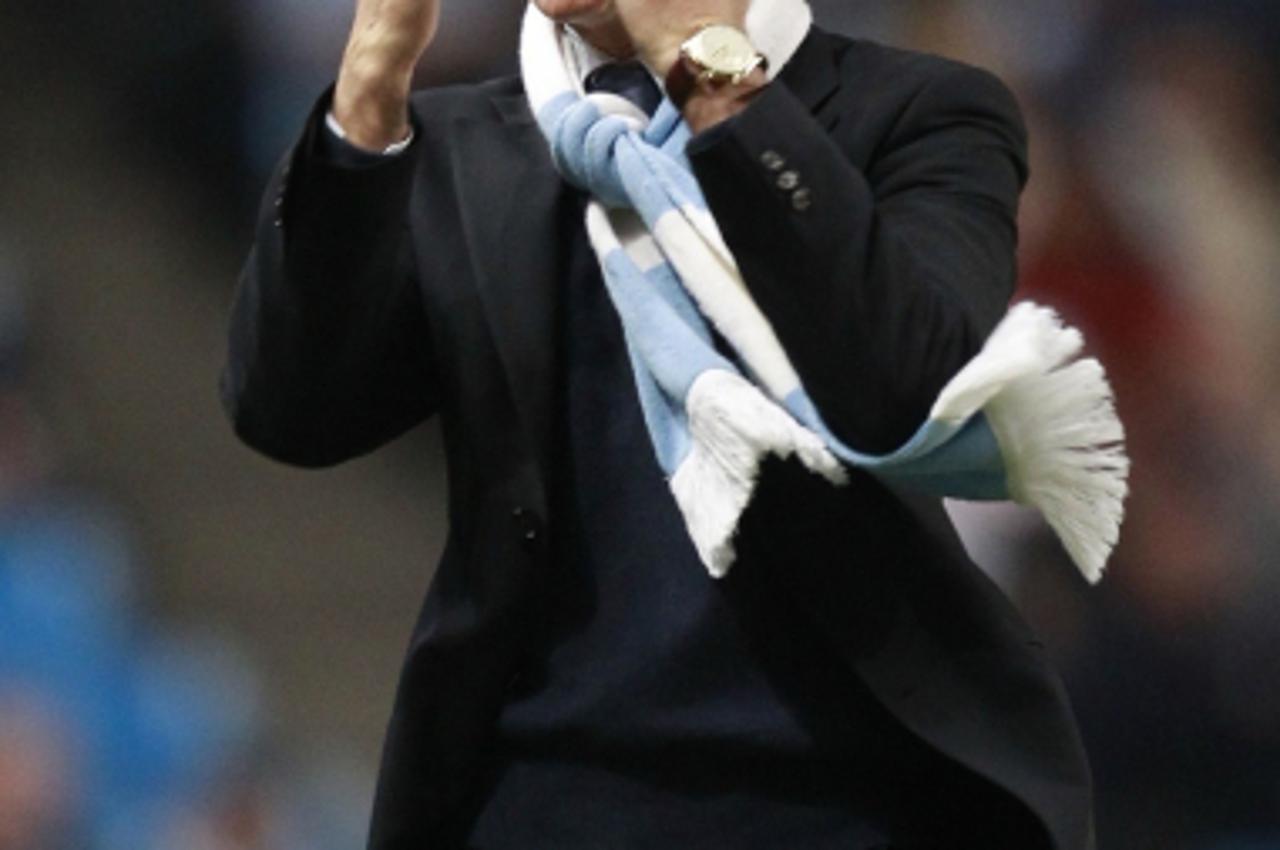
(722, 50)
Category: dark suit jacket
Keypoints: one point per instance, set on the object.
(425, 284)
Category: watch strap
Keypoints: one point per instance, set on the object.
(681, 81)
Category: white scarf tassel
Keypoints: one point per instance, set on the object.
(733, 427)
(1056, 422)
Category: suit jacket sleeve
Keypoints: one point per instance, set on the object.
(883, 278)
(329, 351)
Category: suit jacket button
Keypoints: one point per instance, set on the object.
(801, 199)
(788, 180)
(772, 160)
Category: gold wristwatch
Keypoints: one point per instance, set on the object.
(714, 56)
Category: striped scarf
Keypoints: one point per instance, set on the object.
(1025, 420)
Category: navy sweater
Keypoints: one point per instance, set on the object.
(672, 710)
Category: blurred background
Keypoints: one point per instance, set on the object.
(198, 647)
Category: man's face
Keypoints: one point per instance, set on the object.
(576, 11)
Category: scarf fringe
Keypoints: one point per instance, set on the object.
(1055, 420)
(733, 426)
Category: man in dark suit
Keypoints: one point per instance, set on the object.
(574, 679)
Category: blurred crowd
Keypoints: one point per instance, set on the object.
(1151, 221)
(122, 728)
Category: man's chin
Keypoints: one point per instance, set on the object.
(575, 11)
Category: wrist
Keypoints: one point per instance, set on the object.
(704, 108)
(371, 102)
(716, 73)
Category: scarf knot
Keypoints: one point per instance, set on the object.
(600, 141)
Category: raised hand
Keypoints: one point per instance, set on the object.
(388, 38)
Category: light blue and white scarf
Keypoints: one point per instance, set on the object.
(1024, 420)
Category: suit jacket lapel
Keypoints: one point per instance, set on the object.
(510, 196)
